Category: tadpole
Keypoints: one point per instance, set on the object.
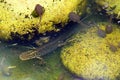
(108, 29)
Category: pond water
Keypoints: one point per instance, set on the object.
(30, 70)
(12, 68)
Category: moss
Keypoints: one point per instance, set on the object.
(90, 57)
(16, 18)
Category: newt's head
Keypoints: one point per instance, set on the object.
(28, 55)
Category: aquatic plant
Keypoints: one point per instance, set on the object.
(17, 19)
(91, 56)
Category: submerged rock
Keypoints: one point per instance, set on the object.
(90, 56)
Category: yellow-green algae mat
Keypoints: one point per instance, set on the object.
(16, 19)
(90, 57)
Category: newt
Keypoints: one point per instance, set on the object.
(46, 48)
(50, 46)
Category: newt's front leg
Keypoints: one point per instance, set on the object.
(40, 60)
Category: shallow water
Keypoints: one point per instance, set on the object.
(31, 70)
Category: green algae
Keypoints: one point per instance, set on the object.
(31, 70)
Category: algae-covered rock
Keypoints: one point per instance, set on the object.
(16, 19)
(93, 57)
(111, 7)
